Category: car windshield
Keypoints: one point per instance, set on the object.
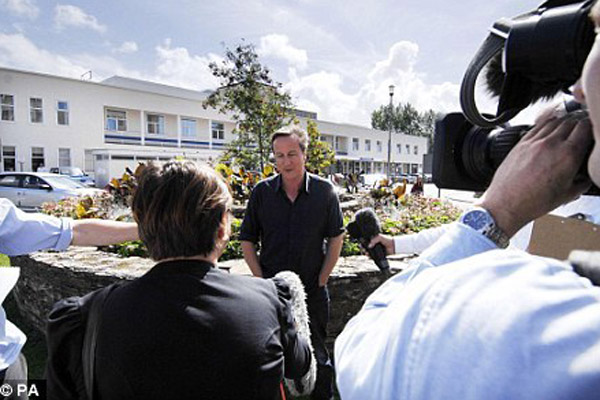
(73, 171)
(63, 182)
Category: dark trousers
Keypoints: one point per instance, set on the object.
(15, 373)
(318, 312)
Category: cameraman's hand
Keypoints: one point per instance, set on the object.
(386, 241)
(540, 173)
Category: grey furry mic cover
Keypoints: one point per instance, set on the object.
(300, 314)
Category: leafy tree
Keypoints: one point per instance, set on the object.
(319, 154)
(256, 102)
(404, 118)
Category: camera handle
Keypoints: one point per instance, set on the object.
(492, 45)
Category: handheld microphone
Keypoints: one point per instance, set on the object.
(364, 228)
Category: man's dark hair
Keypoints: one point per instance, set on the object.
(299, 133)
(179, 208)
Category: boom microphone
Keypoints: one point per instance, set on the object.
(364, 228)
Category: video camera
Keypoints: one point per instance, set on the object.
(527, 58)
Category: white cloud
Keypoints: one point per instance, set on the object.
(25, 8)
(278, 46)
(126, 48)
(324, 91)
(66, 15)
(176, 66)
(17, 51)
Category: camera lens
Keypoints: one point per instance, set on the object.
(484, 150)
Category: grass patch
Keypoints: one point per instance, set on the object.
(4, 261)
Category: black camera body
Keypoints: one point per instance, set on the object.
(465, 156)
(530, 57)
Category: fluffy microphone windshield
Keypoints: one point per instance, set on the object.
(367, 220)
(494, 82)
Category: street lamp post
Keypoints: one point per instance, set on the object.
(389, 157)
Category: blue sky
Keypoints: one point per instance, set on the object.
(335, 57)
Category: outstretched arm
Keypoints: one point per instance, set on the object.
(97, 232)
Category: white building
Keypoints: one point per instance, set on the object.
(49, 121)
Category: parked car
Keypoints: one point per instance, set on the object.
(29, 190)
(72, 172)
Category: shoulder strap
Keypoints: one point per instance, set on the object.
(88, 355)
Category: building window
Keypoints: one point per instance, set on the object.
(218, 130)
(379, 148)
(416, 150)
(8, 107)
(36, 112)
(64, 157)
(355, 144)
(188, 127)
(116, 121)
(399, 148)
(9, 158)
(367, 145)
(156, 124)
(408, 149)
(62, 113)
(37, 158)
(336, 143)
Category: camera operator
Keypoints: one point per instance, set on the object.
(471, 321)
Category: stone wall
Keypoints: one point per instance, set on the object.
(46, 277)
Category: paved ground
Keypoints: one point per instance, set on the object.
(459, 198)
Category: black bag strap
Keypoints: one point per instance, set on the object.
(88, 355)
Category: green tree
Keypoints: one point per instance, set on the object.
(257, 104)
(404, 118)
(319, 154)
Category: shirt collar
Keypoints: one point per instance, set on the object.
(305, 183)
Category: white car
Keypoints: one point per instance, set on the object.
(29, 190)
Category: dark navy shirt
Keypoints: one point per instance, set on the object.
(292, 235)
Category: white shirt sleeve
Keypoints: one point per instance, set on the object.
(416, 243)
(22, 233)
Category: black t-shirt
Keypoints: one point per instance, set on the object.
(292, 235)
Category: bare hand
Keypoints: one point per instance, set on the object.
(323, 280)
(540, 173)
(386, 241)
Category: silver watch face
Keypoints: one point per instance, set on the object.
(477, 219)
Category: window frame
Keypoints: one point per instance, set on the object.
(7, 107)
(116, 118)
(183, 126)
(59, 157)
(6, 157)
(32, 157)
(66, 112)
(355, 144)
(220, 132)
(36, 110)
(159, 124)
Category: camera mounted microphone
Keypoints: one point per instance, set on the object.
(364, 228)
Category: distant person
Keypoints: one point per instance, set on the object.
(417, 188)
(186, 329)
(296, 218)
(22, 233)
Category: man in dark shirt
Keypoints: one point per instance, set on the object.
(296, 218)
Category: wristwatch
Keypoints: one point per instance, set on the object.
(482, 221)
